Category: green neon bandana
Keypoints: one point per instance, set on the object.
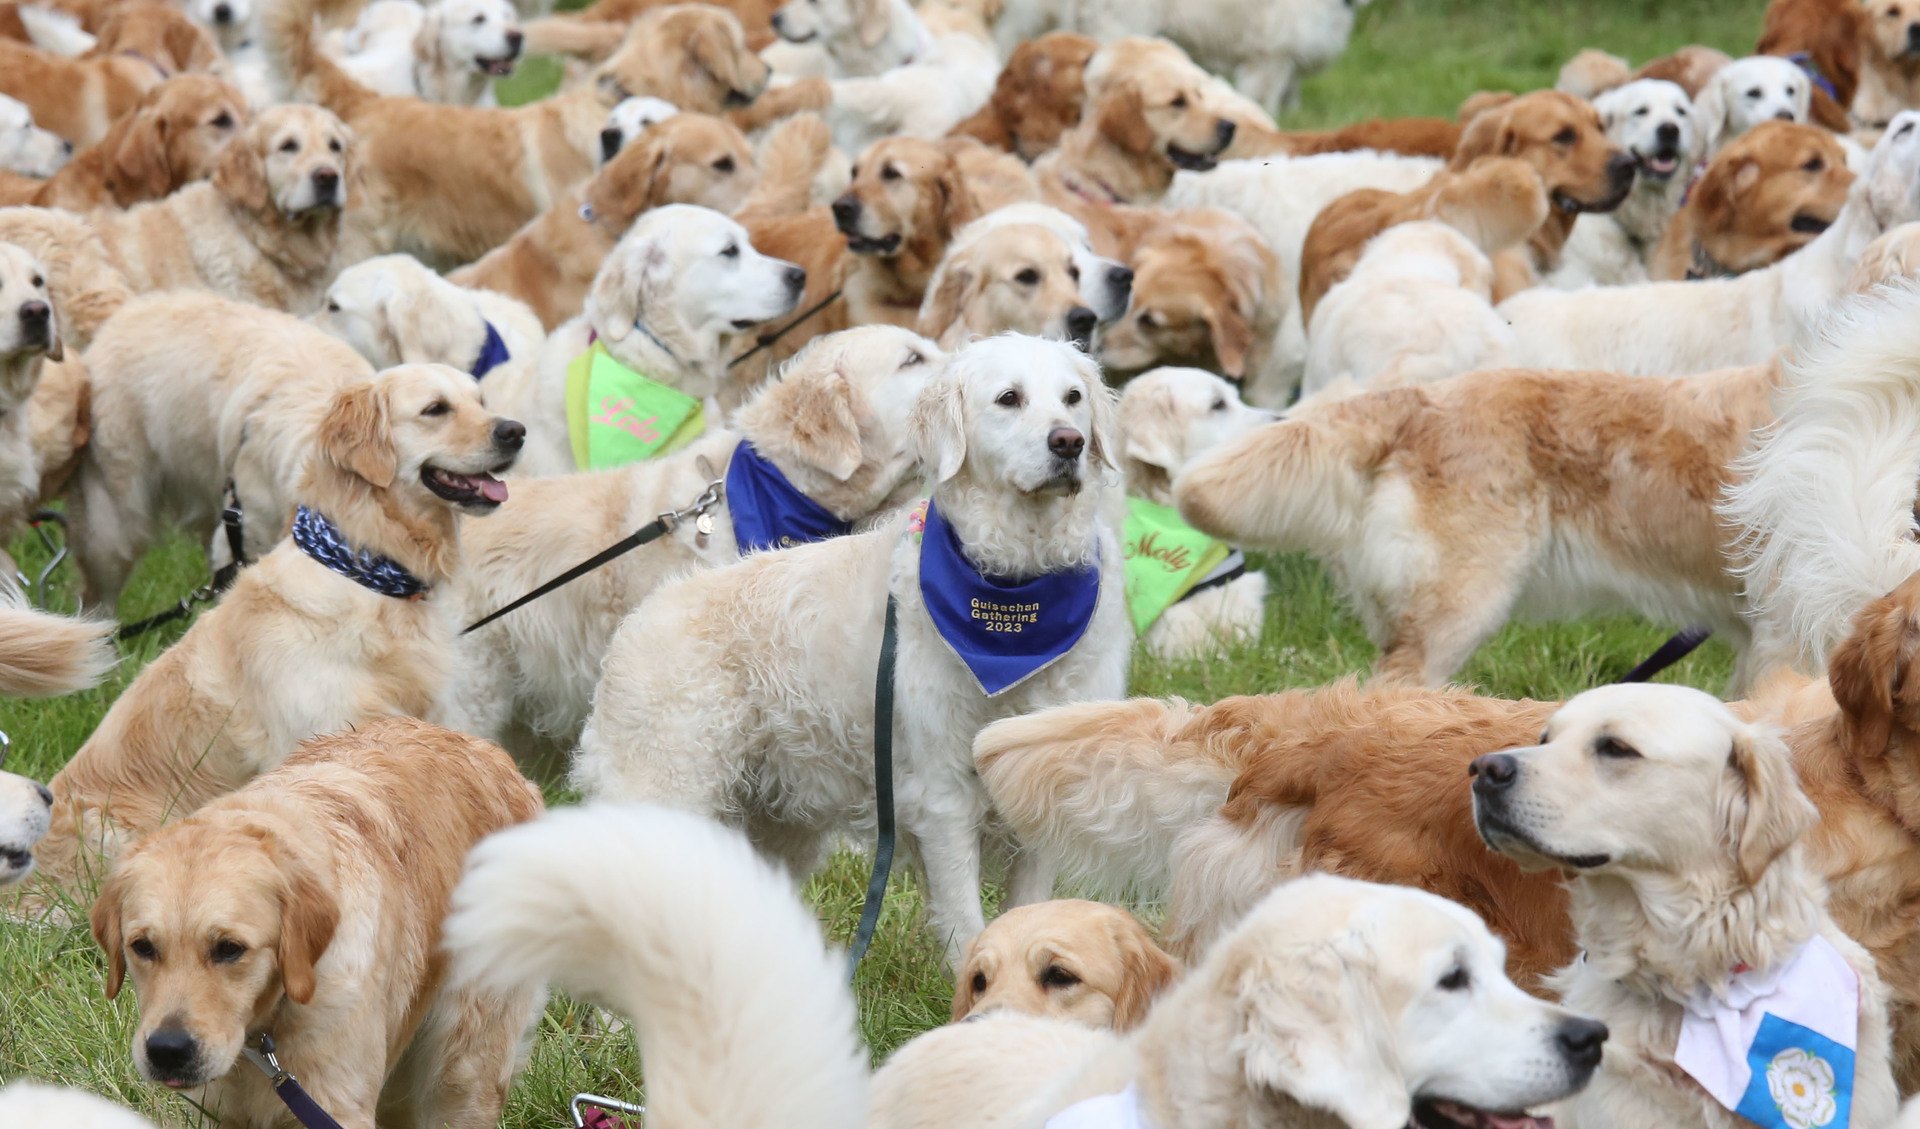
(617, 416)
(1165, 558)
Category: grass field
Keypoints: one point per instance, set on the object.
(1408, 57)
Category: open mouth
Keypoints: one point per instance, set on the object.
(499, 67)
(862, 245)
(1807, 224)
(1574, 207)
(1190, 160)
(1658, 166)
(739, 98)
(482, 491)
(1509, 840)
(792, 38)
(1429, 1113)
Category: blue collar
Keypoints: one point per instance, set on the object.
(1005, 631)
(770, 512)
(1804, 60)
(493, 354)
(320, 539)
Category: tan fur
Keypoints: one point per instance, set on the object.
(1037, 97)
(1739, 216)
(1207, 293)
(308, 905)
(1081, 961)
(1017, 278)
(44, 655)
(1889, 62)
(79, 99)
(172, 138)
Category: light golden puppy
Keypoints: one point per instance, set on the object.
(174, 137)
(1086, 962)
(333, 628)
(1020, 278)
(307, 907)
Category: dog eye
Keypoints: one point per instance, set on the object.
(1679, 111)
(1545, 736)
(142, 948)
(1455, 981)
(1219, 405)
(1754, 93)
(1615, 750)
(1027, 277)
(437, 408)
(1073, 272)
(1057, 977)
(1148, 319)
(478, 20)
(223, 120)
(333, 307)
(1008, 399)
(289, 146)
(723, 165)
(1814, 165)
(913, 358)
(226, 952)
(730, 251)
(1179, 102)
(1073, 397)
(1641, 112)
(888, 172)
(1904, 130)
(38, 282)
(335, 146)
(1565, 136)
(979, 982)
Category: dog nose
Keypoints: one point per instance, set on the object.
(35, 315)
(515, 38)
(795, 278)
(779, 25)
(509, 434)
(1066, 442)
(325, 180)
(1080, 322)
(46, 794)
(170, 1050)
(223, 13)
(1784, 116)
(1668, 133)
(1620, 167)
(1493, 771)
(846, 210)
(610, 141)
(1120, 279)
(1580, 1041)
(66, 147)
(1913, 35)
(1224, 131)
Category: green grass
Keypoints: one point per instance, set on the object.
(1408, 57)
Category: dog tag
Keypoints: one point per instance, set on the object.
(702, 529)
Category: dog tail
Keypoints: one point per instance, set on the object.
(287, 37)
(742, 1011)
(790, 158)
(86, 287)
(1822, 506)
(570, 34)
(1106, 789)
(1300, 483)
(44, 655)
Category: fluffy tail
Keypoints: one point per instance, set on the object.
(1823, 505)
(308, 73)
(1105, 789)
(43, 655)
(790, 158)
(87, 288)
(1298, 484)
(743, 1014)
(569, 34)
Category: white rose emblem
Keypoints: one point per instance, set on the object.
(1801, 1084)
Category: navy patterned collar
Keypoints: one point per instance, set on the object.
(320, 539)
(493, 354)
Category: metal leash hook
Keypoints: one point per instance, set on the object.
(591, 1111)
(264, 1059)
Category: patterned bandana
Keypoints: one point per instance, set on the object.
(617, 416)
(1004, 631)
(493, 354)
(1778, 1048)
(319, 539)
(1166, 557)
(769, 512)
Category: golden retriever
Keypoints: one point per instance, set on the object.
(1037, 97)
(1889, 62)
(79, 99)
(451, 183)
(548, 264)
(29, 335)
(174, 136)
(1831, 34)
(1081, 961)
(296, 648)
(1765, 195)
(307, 906)
(1014, 278)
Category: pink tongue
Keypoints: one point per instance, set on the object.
(492, 489)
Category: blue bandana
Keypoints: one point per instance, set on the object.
(1005, 631)
(493, 354)
(1804, 60)
(319, 539)
(770, 512)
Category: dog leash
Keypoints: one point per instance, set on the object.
(767, 340)
(884, 836)
(591, 1111)
(659, 527)
(233, 521)
(291, 1094)
(1683, 643)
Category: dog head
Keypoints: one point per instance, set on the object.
(293, 159)
(28, 328)
(1562, 138)
(26, 811)
(834, 24)
(1171, 415)
(231, 21)
(1201, 297)
(25, 148)
(175, 136)
(1895, 26)
(685, 159)
(1644, 781)
(1769, 193)
(215, 920)
(1389, 1007)
(628, 120)
(1150, 101)
(1106, 285)
(1080, 961)
(1876, 683)
(1746, 92)
(1020, 278)
(903, 190)
(693, 55)
(1038, 94)
(1654, 121)
(395, 311)
(1016, 413)
(1890, 186)
(161, 34)
(480, 34)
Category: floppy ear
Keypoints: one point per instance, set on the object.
(1143, 439)
(958, 208)
(426, 41)
(56, 348)
(1310, 1029)
(824, 414)
(1778, 812)
(1145, 971)
(1232, 337)
(872, 19)
(1710, 110)
(1102, 404)
(625, 288)
(963, 997)
(420, 332)
(105, 918)
(1484, 136)
(939, 427)
(1123, 118)
(356, 437)
(1866, 670)
(308, 916)
(941, 309)
(241, 175)
(139, 159)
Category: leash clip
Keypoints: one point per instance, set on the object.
(708, 499)
(266, 1061)
(583, 1102)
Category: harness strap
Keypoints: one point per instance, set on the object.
(1230, 570)
(1683, 643)
(767, 340)
(882, 789)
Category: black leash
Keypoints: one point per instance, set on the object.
(882, 789)
(233, 521)
(652, 531)
(1682, 644)
(292, 1095)
(766, 340)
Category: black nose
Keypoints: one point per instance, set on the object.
(509, 434)
(1224, 131)
(66, 147)
(1580, 1041)
(1120, 279)
(611, 139)
(34, 316)
(1784, 116)
(515, 38)
(170, 1050)
(1668, 134)
(1493, 771)
(779, 24)
(1620, 167)
(222, 13)
(846, 212)
(795, 278)
(1066, 442)
(1913, 35)
(325, 181)
(46, 794)
(1080, 322)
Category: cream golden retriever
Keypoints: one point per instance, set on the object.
(25, 148)
(307, 906)
(29, 335)
(449, 51)
(1081, 961)
(298, 647)
(173, 137)
(1017, 278)
(834, 425)
(1681, 826)
(32, 1103)
(763, 715)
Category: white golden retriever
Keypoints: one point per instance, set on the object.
(26, 811)
(32, 1105)
(858, 37)
(29, 335)
(1749, 91)
(25, 148)
(449, 51)
(835, 425)
(1663, 328)
(1681, 826)
(766, 709)
(1659, 127)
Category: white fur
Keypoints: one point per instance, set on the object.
(24, 348)
(1612, 248)
(230, 21)
(25, 148)
(923, 98)
(628, 120)
(55, 31)
(1749, 91)
(449, 51)
(34, 1105)
(861, 38)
